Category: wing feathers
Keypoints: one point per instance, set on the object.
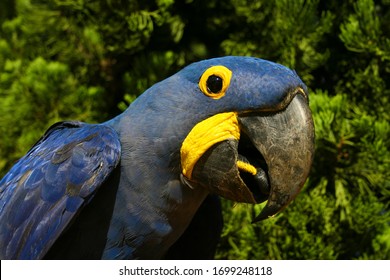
(46, 188)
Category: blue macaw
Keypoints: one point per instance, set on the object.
(137, 185)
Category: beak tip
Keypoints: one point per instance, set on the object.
(262, 216)
(270, 210)
(259, 218)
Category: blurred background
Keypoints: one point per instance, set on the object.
(89, 59)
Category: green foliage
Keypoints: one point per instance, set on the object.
(362, 33)
(53, 89)
(365, 34)
(87, 60)
(300, 30)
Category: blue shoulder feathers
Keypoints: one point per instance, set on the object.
(51, 183)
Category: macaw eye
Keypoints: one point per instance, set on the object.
(214, 84)
(215, 81)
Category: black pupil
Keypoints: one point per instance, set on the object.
(214, 84)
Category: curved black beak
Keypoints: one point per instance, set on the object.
(285, 140)
(270, 160)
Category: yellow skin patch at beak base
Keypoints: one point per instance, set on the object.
(204, 135)
(246, 167)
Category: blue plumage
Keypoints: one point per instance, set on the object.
(115, 190)
(45, 189)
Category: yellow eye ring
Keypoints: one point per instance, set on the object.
(215, 81)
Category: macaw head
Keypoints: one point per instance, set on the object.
(244, 125)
